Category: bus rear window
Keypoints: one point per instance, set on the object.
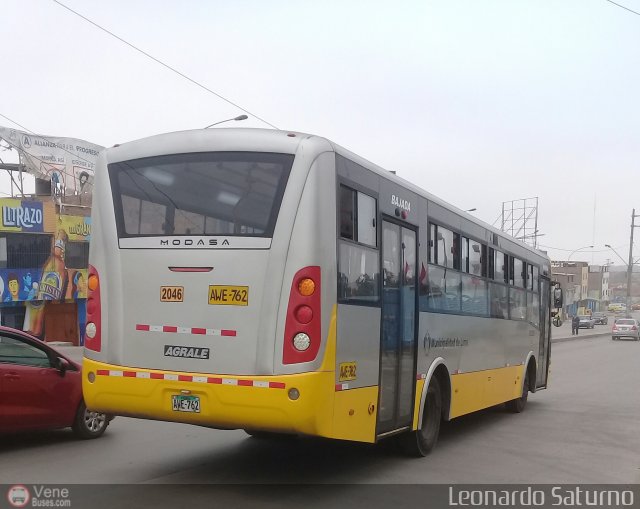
(210, 193)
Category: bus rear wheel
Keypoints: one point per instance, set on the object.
(517, 405)
(419, 443)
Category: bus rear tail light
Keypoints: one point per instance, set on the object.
(93, 338)
(302, 326)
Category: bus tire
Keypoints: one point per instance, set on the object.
(419, 443)
(517, 405)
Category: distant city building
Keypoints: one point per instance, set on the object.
(599, 283)
(578, 269)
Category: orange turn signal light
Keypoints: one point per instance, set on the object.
(306, 287)
(93, 282)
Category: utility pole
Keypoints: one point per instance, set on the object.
(630, 266)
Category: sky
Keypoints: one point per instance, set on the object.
(478, 102)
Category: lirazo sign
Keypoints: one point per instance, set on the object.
(21, 216)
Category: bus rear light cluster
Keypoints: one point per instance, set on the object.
(302, 326)
(93, 339)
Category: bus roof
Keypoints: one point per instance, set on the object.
(206, 140)
(281, 141)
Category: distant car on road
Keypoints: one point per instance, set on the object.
(635, 307)
(42, 389)
(586, 322)
(617, 307)
(600, 318)
(625, 328)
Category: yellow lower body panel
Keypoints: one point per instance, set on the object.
(354, 414)
(483, 389)
(416, 408)
(255, 402)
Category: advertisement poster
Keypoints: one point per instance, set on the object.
(68, 163)
(76, 227)
(21, 216)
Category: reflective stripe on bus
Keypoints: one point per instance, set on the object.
(185, 330)
(192, 378)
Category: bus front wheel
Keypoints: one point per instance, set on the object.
(420, 442)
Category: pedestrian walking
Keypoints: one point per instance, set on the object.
(575, 325)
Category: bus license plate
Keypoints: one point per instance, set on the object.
(171, 293)
(229, 295)
(186, 404)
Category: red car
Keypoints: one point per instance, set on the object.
(42, 389)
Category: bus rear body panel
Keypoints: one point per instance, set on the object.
(189, 308)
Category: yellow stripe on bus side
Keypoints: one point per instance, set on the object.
(416, 408)
(329, 361)
(482, 389)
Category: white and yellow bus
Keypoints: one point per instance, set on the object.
(276, 282)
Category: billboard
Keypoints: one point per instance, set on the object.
(77, 227)
(21, 216)
(68, 163)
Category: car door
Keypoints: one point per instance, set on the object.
(34, 394)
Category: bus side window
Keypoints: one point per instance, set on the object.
(358, 273)
(358, 217)
(347, 213)
(366, 219)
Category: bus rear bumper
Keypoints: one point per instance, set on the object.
(250, 402)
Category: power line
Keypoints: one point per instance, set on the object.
(623, 7)
(148, 55)
(16, 123)
(570, 250)
(40, 137)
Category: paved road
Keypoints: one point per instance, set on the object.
(583, 429)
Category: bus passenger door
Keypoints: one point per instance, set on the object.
(398, 328)
(545, 333)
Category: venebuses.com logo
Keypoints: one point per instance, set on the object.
(18, 495)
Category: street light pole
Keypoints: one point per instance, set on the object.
(631, 261)
(630, 266)
(616, 252)
(576, 250)
(239, 117)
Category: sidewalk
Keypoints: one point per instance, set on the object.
(563, 333)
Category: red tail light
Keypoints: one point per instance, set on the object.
(634, 328)
(93, 312)
(615, 327)
(302, 327)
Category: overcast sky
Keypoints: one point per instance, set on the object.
(478, 102)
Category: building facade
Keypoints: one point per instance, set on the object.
(599, 285)
(43, 267)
